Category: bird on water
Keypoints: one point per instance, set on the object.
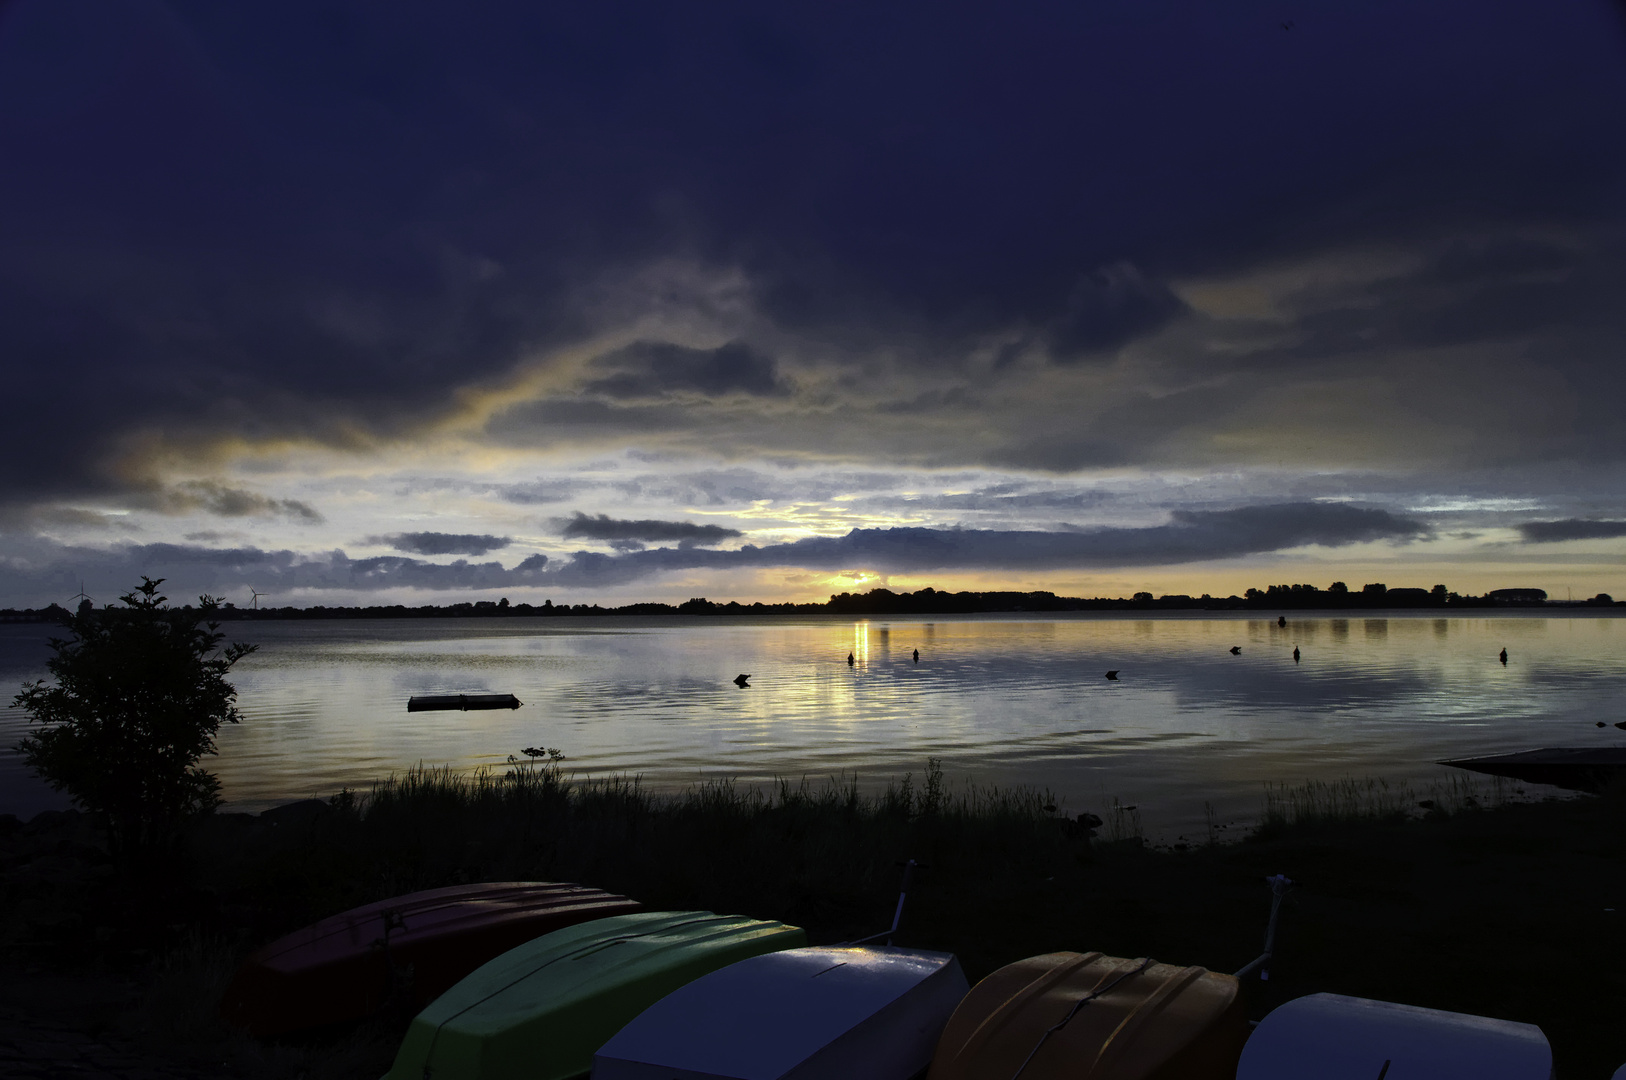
(917, 656)
(1113, 674)
(1504, 658)
(741, 681)
(1295, 654)
(1281, 620)
(1236, 650)
(850, 661)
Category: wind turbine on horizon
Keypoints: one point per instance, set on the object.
(254, 598)
(81, 596)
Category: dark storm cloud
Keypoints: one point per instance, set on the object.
(540, 492)
(1109, 309)
(1191, 536)
(1065, 452)
(604, 527)
(723, 487)
(387, 572)
(1008, 498)
(1513, 337)
(1552, 532)
(224, 500)
(710, 487)
(558, 422)
(653, 369)
(1500, 288)
(191, 570)
(315, 219)
(439, 543)
(71, 517)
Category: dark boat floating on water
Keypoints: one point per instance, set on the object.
(1578, 769)
(463, 702)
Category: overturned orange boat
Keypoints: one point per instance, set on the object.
(1086, 1016)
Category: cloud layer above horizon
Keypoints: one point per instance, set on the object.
(1191, 536)
(641, 300)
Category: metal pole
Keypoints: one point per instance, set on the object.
(1279, 885)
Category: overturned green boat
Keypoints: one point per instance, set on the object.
(541, 1010)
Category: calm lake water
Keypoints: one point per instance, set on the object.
(1007, 699)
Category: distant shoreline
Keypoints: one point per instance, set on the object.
(1278, 598)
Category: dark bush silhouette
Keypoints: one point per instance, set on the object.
(140, 692)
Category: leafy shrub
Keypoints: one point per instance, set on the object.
(140, 692)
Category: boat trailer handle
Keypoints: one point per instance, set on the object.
(909, 868)
(1279, 884)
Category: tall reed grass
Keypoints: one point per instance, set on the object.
(819, 853)
(1323, 802)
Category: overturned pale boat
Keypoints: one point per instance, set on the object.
(540, 1011)
(1332, 1037)
(412, 947)
(462, 702)
(1578, 769)
(1085, 1016)
(802, 1014)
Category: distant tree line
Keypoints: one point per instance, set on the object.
(1378, 595)
(927, 601)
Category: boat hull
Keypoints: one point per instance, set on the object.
(541, 1010)
(1085, 1016)
(411, 947)
(1333, 1037)
(800, 1014)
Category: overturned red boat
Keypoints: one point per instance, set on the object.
(412, 948)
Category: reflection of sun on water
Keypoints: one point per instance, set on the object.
(860, 647)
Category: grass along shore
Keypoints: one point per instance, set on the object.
(1475, 902)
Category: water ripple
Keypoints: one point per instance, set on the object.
(999, 699)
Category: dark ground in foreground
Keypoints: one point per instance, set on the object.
(1516, 912)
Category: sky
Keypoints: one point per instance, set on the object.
(361, 302)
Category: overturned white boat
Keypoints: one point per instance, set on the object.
(801, 1014)
(1332, 1037)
